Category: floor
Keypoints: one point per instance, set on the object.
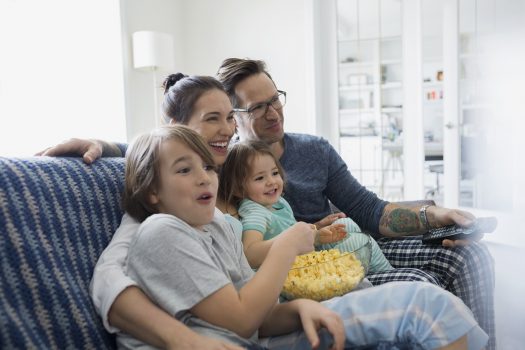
(509, 296)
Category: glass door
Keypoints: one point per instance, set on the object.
(370, 93)
(433, 93)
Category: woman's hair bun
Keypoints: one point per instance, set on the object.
(171, 80)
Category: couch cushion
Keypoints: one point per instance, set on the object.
(56, 217)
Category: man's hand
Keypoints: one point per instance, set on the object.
(314, 316)
(330, 234)
(329, 220)
(439, 217)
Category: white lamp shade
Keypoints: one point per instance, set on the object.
(153, 50)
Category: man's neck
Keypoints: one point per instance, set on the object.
(278, 148)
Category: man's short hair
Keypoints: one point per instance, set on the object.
(234, 70)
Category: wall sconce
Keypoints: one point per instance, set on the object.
(153, 51)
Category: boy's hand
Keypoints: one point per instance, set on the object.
(330, 219)
(314, 316)
(330, 234)
(300, 237)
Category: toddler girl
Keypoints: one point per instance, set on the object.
(252, 180)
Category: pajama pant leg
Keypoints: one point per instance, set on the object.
(399, 312)
(467, 272)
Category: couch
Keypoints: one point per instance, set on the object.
(56, 217)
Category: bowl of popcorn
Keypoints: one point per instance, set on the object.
(325, 274)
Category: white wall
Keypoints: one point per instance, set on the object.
(208, 31)
(156, 15)
(60, 75)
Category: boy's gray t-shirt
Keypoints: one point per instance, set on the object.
(178, 266)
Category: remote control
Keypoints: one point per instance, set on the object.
(480, 225)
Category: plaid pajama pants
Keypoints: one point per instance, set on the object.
(467, 272)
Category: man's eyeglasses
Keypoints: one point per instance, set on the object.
(259, 110)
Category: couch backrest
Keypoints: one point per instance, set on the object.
(56, 217)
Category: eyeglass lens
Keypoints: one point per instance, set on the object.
(260, 110)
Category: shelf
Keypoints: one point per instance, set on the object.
(474, 56)
(391, 85)
(347, 111)
(357, 40)
(357, 64)
(370, 87)
(432, 59)
(356, 111)
(392, 109)
(390, 62)
(356, 135)
(476, 106)
(368, 64)
(362, 87)
(432, 84)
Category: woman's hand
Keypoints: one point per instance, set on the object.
(330, 234)
(315, 316)
(330, 219)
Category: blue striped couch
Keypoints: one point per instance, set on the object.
(56, 217)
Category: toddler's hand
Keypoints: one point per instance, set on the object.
(330, 234)
(330, 219)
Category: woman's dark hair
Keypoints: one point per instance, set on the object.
(181, 92)
(234, 70)
(235, 171)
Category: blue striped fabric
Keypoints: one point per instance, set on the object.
(56, 217)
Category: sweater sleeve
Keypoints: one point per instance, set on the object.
(349, 196)
(317, 175)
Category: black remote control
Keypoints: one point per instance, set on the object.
(480, 225)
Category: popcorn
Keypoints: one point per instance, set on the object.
(322, 275)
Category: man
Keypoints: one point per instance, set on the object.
(316, 176)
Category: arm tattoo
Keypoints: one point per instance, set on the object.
(400, 221)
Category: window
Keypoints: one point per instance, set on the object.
(61, 73)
